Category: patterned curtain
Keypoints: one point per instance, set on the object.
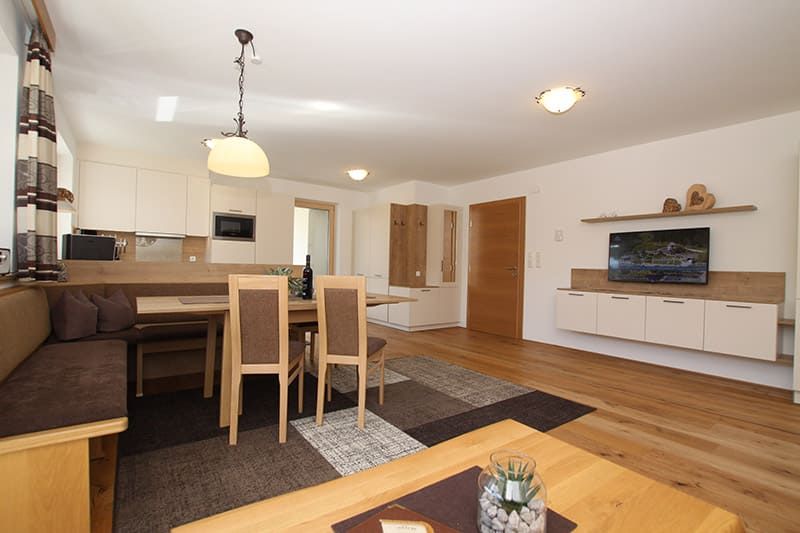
(36, 176)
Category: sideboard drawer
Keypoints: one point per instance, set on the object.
(743, 329)
(675, 321)
(576, 311)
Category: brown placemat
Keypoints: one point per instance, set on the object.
(452, 501)
(398, 512)
(214, 299)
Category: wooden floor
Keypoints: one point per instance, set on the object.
(730, 443)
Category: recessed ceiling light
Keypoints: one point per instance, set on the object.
(165, 111)
(357, 174)
(560, 99)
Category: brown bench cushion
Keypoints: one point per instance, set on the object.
(63, 385)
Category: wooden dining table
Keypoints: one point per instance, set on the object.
(214, 307)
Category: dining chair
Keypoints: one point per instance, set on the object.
(343, 340)
(259, 320)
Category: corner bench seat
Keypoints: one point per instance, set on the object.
(65, 384)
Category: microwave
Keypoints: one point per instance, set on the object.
(228, 227)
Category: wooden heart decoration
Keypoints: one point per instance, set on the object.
(698, 198)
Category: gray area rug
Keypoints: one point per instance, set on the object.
(176, 466)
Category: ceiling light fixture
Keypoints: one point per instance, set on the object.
(165, 110)
(358, 174)
(236, 155)
(560, 99)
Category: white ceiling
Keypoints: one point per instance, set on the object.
(439, 91)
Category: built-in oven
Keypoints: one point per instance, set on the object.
(228, 227)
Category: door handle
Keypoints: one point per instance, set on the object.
(511, 268)
(235, 210)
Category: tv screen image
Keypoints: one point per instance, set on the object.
(661, 256)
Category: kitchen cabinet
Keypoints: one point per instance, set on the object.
(232, 252)
(621, 315)
(675, 321)
(743, 329)
(160, 202)
(576, 311)
(198, 206)
(435, 307)
(274, 229)
(239, 200)
(107, 197)
(371, 242)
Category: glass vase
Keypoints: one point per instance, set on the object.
(511, 495)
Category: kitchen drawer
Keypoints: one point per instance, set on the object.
(675, 321)
(576, 311)
(621, 315)
(744, 329)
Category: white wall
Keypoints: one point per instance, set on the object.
(13, 30)
(749, 163)
(346, 200)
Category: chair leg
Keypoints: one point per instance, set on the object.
(211, 354)
(283, 413)
(301, 372)
(362, 393)
(241, 394)
(312, 348)
(139, 370)
(380, 388)
(236, 399)
(330, 388)
(321, 373)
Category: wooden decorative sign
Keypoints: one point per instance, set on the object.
(698, 198)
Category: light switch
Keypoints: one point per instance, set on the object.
(538, 259)
(530, 259)
(418, 273)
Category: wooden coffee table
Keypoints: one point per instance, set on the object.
(594, 493)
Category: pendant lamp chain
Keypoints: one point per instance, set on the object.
(239, 120)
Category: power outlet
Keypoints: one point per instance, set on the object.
(419, 274)
(193, 259)
(559, 235)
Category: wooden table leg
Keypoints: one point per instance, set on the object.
(211, 355)
(225, 380)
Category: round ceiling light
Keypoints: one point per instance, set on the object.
(358, 174)
(560, 99)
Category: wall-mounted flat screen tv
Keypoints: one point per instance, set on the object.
(662, 256)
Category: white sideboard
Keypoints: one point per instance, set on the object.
(743, 329)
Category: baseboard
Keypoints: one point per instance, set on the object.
(411, 329)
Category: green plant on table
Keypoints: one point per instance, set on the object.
(516, 484)
(295, 284)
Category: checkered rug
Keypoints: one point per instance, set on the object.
(175, 464)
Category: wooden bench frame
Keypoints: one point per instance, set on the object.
(46, 477)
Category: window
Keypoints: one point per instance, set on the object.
(314, 230)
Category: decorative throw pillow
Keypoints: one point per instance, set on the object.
(73, 317)
(115, 313)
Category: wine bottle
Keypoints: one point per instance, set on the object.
(308, 280)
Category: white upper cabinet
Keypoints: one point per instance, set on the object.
(379, 242)
(361, 242)
(274, 229)
(239, 200)
(160, 202)
(371, 242)
(198, 206)
(107, 197)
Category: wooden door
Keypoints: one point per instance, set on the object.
(496, 267)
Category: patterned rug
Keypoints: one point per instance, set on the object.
(175, 464)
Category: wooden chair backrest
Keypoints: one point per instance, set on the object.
(342, 315)
(259, 308)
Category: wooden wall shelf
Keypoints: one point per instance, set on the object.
(716, 210)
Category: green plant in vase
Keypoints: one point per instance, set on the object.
(516, 485)
(295, 284)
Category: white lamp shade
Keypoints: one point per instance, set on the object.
(560, 99)
(238, 157)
